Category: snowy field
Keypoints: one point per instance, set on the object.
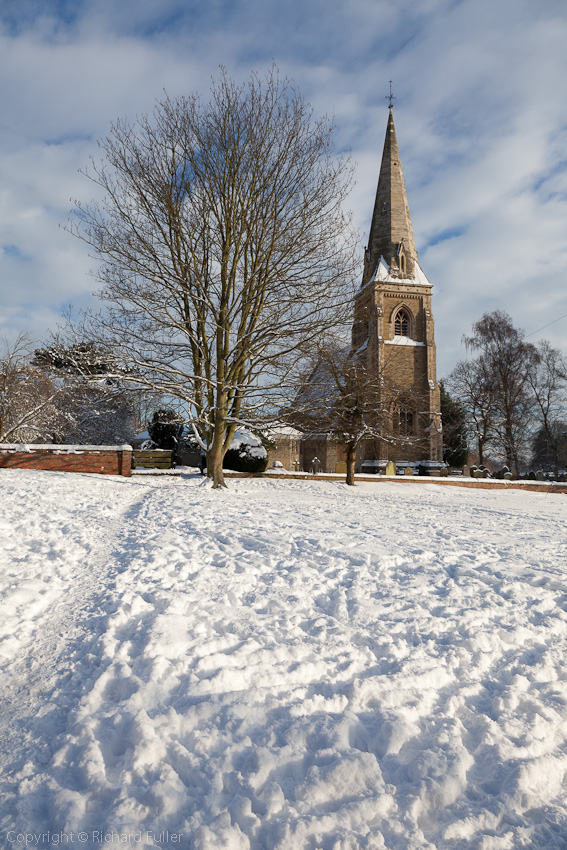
(287, 665)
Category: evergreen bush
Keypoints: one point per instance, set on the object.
(246, 453)
(164, 429)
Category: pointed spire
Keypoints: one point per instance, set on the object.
(391, 234)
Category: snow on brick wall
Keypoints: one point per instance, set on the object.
(106, 460)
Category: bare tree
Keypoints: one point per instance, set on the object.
(471, 382)
(510, 390)
(342, 397)
(29, 400)
(144, 404)
(224, 247)
(94, 416)
(549, 447)
(548, 381)
(505, 361)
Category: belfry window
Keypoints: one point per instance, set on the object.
(402, 323)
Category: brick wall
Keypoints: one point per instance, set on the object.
(105, 460)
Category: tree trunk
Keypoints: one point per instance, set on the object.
(511, 460)
(516, 461)
(350, 464)
(214, 466)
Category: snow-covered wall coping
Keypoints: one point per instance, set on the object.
(61, 447)
(401, 340)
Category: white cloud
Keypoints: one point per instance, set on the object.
(481, 119)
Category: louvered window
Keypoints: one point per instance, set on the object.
(401, 323)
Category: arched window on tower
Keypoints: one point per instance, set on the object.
(403, 263)
(402, 323)
(404, 419)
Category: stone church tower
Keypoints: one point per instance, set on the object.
(393, 327)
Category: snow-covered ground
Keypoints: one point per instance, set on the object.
(287, 664)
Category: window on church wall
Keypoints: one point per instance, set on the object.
(404, 421)
(402, 323)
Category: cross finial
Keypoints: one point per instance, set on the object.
(390, 96)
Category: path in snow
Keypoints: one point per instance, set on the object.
(288, 664)
(50, 593)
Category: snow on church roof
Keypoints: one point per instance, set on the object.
(420, 276)
(383, 275)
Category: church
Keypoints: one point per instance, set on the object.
(393, 332)
(393, 325)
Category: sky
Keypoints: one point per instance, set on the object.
(480, 114)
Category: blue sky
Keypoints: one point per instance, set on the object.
(481, 119)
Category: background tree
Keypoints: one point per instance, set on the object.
(43, 398)
(513, 392)
(495, 387)
(549, 447)
(78, 360)
(29, 409)
(96, 402)
(454, 418)
(93, 416)
(548, 381)
(224, 247)
(472, 384)
(507, 359)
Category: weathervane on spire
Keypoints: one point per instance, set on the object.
(390, 96)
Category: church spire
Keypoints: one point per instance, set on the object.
(391, 234)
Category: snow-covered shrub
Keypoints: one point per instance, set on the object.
(246, 453)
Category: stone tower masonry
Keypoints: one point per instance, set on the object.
(393, 327)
